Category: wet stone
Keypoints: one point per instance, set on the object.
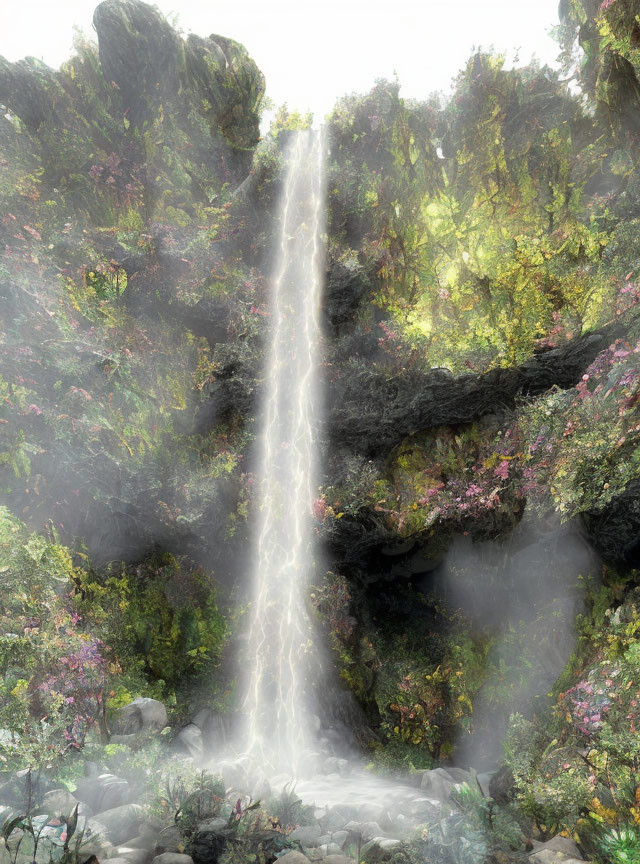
(379, 849)
(306, 835)
(172, 858)
(134, 856)
(293, 858)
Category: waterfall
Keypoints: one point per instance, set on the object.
(277, 703)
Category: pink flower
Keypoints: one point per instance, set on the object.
(319, 508)
(502, 470)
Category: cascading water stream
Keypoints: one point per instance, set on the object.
(283, 672)
(277, 702)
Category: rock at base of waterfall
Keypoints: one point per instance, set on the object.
(549, 857)
(104, 792)
(118, 860)
(172, 858)
(333, 765)
(426, 809)
(60, 802)
(294, 858)
(94, 844)
(118, 824)
(133, 855)
(235, 777)
(340, 837)
(502, 787)
(144, 841)
(379, 849)
(211, 724)
(327, 849)
(141, 715)
(334, 819)
(338, 859)
(189, 740)
(558, 850)
(307, 835)
(364, 831)
(440, 782)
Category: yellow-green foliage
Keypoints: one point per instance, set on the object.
(161, 619)
(41, 643)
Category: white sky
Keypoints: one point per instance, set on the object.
(313, 52)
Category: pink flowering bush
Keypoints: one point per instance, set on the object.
(583, 444)
(447, 476)
(579, 769)
(54, 674)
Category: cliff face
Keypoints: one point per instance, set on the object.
(481, 355)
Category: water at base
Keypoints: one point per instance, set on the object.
(277, 703)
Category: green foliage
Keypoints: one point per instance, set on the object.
(620, 845)
(287, 810)
(54, 673)
(583, 443)
(476, 832)
(161, 619)
(578, 769)
(476, 214)
(202, 802)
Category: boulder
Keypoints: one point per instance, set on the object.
(24, 784)
(346, 286)
(333, 765)
(230, 87)
(547, 856)
(94, 843)
(338, 859)
(566, 845)
(134, 855)
(558, 850)
(172, 858)
(119, 824)
(59, 802)
(502, 786)
(141, 715)
(327, 849)
(144, 841)
(294, 858)
(189, 740)
(30, 89)
(104, 792)
(169, 840)
(379, 849)
(307, 835)
(440, 783)
(141, 53)
(340, 837)
(334, 819)
(208, 842)
(365, 831)
(211, 724)
(426, 809)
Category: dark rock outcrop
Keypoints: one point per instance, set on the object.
(30, 90)
(614, 531)
(371, 412)
(346, 287)
(140, 53)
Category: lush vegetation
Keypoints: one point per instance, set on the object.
(482, 377)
